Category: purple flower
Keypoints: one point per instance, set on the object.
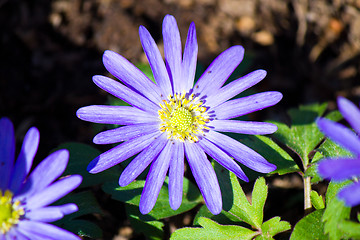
(25, 197)
(173, 118)
(343, 168)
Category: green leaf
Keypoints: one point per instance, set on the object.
(258, 199)
(234, 198)
(152, 229)
(132, 192)
(87, 204)
(333, 189)
(303, 135)
(310, 227)
(224, 217)
(352, 229)
(272, 227)
(213, 230)
(271, 151)
(316, 200)
(334, 214)
(80, 156)
(331, 149)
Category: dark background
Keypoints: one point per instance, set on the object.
(50, 49)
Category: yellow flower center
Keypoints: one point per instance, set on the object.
(10, 212)
(183, 117)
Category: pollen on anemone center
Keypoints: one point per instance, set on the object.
(10, 212)
(183, 117)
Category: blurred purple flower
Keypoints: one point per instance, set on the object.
(343, 168)
(173, 118)
(25, 197)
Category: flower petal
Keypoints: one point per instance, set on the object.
(172, 51)
(121, 153)
(140, 163)
(122, 115)
(222, 158)
(7, 151)
(235, 87)
(124, 93)
(25, 159)
(339, 169)
(176, 174)
(241, 106)
(45, 231)
(340, 134)
(350, 112)
(219, 71)
(125, 133)
(155, 180)
(240, 152)
(189, 58)
(53, 192)
(205, 177)
(243, 127)
(46, 214)
(350, 194)
(156, 61)
(45, 173)
(125, 71)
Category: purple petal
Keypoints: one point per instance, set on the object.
(7, 151)
(53, 192)
(351, 194)
(156, 61)
(25, 159)
(339, 169)
(121, 153)
(190, 58)
(125, 71)
(350, 112)
(68, 208)
(243, 127)
(125, 133)
(46, 214)
(140, 163)
(219, 71)
(155, 180)
(240, 152)
(340, 134)
(241, 106)
(51, 213)
(45, 231)
(172, 51)
(205, 177)
(14, 233)
(176, 174)
(45, 173)
(222, 158)
(235, 87)
(122, 115)
(122, 92)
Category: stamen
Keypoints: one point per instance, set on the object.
(10, 212)
(183, 117)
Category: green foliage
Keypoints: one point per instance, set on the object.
(316, 200)
(213, 231)
(244, 216)
(131, 195)
(152, 229)
(87, 204)
(310, 227)
(80, 156)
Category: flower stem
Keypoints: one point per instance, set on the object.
(307, 190)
